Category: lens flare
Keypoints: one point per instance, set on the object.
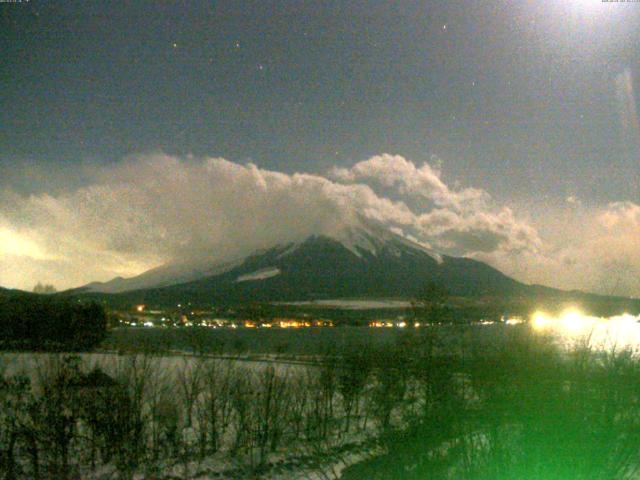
(573, 320)
(573, 326)
(541, 321)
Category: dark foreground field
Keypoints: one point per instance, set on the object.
(290, 342)
(274, 341)
(463, 403)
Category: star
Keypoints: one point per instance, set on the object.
(260, 67)
(175, 45)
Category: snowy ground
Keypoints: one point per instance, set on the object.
(293, 462)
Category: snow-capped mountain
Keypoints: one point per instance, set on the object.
(363, 240)
(354, 262)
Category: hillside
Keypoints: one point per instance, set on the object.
(362, 263)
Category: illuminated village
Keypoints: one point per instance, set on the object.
(183, 316)
(141, 316)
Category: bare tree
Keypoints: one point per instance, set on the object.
(242, 394)
(271, 405)
(390, 384)
(353, 376)
(299, 404)
(13, 397)
(215, 406)
(189, 380)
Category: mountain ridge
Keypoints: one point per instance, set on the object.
(359, 240)
(323, 267)
(358, 264)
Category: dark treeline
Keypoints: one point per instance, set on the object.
(42, 322)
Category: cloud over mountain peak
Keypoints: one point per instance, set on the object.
(148, 210)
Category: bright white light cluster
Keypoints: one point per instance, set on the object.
(619, 331)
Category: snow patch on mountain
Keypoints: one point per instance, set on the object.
(373, 239)
(292, 247)
(261, 274)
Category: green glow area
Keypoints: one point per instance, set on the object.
(526, 409)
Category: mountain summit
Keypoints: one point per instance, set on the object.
(354, 262)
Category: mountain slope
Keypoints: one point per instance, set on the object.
(356, 263)
(164, 275)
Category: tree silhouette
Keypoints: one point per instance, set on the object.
(48, 323)
(431, 305)
(44, 289)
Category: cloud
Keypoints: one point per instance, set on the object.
(394, 171)
(598, 251)
(456, 221)
(152, 209)
(481, 230)
(15, 244)
(146, 210)
(621, 215)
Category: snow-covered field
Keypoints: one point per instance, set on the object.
(200, 417)
(253, 439)
(12, 363)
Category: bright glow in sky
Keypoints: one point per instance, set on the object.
(13, 243)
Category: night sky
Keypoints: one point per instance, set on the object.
(534, 103)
